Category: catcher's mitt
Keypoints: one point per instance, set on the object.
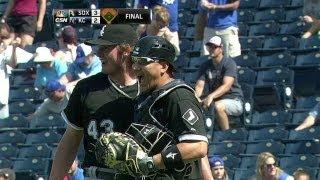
(121, 153)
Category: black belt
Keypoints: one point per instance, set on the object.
(105, 173)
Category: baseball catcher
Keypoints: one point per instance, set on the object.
(168, 137)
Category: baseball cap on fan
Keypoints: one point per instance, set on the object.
(82, 51)
(115, 34)
(215, 40)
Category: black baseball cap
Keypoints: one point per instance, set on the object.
(154, 47)
(115, 34)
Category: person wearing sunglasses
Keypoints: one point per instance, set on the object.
(100, 104)
(169, 105)
(219, 73)
(267, 169)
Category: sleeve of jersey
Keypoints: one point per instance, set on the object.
(189, 121)
(72, 113)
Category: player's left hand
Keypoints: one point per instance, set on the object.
(39, 26)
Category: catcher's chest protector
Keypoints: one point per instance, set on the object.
(146, 113)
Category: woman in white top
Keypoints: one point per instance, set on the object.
(10, 55)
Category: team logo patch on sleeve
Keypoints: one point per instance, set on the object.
(190, 116)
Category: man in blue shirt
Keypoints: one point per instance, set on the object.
(86, 64)
(75, 172)
(219, 18)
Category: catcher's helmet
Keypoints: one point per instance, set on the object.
(155, 47)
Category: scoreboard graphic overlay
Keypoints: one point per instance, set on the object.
(102, 16)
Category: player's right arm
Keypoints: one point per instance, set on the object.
(69, 144)
(66, 153)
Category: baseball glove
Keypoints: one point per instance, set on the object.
(121, 153)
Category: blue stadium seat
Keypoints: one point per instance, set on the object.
(196, 62)
(231, 161)
(250, 4)
(270, 28)
(185, 44)
(40, 151)
(184, 17)
(243, 174)
(274, 133)
(31, 164)
(21, 107)
(182, 30)
(24, 93)
(306, 80)
(12, 137)
(274, 14)
(311, 59)
(190, 78)
(247, 60)
(84, 32)
(8, 151)
(275, 147)
(243, 29)
(43, 137)
(293, 14)
(304, 160)
(246, 75)
(312, 42)
(303, 147)
(245, 15)
(248, 162)
(307, 103)
(23, 80)
(273, 3)
(50, 120)
(247, 92)
(283, 59)
(226, 148)
(190, 32)
(296, 3)
(306, 134)
(270, 118)
(197, 45)
(239, 134)
(14, 121)
(275, 76)
(181, 62)
(5, 163)
(293, 28)
(187, 5)
(298, 117)
(284, 41)
(251, 42)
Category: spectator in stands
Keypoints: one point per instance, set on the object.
(217, 168)
(220, 73)
(85, 65)
(67, 40)
(10, 56)
(75, 172)
(311, 119)
(56, 101)
(311, 15)
(7, 174)
(219, 18)
(159, 27)
(301, 174)
(266, 168)
(26, 18)
(49, 68)
(172, 8)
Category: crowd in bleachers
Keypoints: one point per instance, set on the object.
(270, 50)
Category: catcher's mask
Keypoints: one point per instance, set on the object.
(152, 139)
